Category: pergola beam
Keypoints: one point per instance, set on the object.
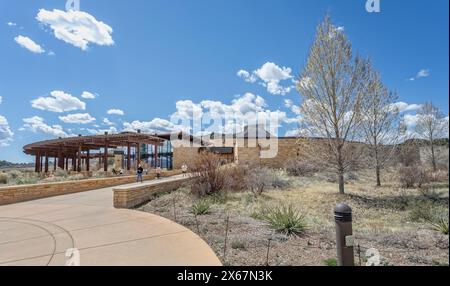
(77, 149)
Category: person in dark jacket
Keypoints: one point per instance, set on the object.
(140, 172)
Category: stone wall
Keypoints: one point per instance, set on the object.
(23, 193)
(247, 154)
(130, 197)
(183, 155)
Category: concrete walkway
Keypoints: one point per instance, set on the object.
(40, 232)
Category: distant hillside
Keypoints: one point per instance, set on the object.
(7, 165)
(421, 142)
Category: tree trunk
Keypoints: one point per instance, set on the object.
(341, 172)
(341, 182)
(433, 158)
(377, 165)
(378, 170)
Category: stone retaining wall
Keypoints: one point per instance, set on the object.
(127, 198)
(23, 193)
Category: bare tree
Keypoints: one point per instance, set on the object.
(333, 86)
(381, 124)
(431, 125)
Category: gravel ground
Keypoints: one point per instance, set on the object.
(381, 222)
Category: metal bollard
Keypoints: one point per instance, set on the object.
(344, 235)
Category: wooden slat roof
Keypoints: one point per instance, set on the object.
(69, 146)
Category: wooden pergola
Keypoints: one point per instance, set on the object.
(76, 150)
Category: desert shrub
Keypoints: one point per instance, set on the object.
(278, 179)
(27, 180)
(430, 194)
(408, 154)
(258, 180)
(440, 224)
(61, 173)
(100, 174)
(421, 211)
(299, 168)
(237, 244)
(3, 178)
(207, 175)
(285, 219)
(412, 176)
(15, 174)
(235, 177)
(201, 207)
(438, 176)
(76, 177)
(331, 262)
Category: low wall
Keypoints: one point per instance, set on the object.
(127, 198)
(23, 193)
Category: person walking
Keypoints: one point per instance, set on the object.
(140, 172)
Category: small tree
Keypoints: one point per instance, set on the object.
(258, 179)
(431, 125)
(333, 86)
(381, 124)
(207, 174)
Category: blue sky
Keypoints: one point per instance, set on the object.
(164, 57)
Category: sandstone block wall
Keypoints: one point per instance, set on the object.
(127, 198)
(23, 193)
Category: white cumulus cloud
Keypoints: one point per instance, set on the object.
(88, 95)
(116, 112)
(37, 124)
(270, 75)
(405, 107)
(157, 125)
(29, 44)
(78, 118)
(107, 122)
(248, 77)
(59, 102)
(77, 28)
(6, 134)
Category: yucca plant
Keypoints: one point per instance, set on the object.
(201, 207)
(285, 219)
(440, 225)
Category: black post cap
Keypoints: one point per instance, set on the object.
(343, 213)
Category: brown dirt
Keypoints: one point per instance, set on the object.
(382, 220)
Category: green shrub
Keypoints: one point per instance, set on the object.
(27, 181)
(15, 174)
(61, 173)
(3, 178)
(331, 262)
(201, 207)
(285, 219)
(421, 212)
(237, 244)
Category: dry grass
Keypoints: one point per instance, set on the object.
(382, 219)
